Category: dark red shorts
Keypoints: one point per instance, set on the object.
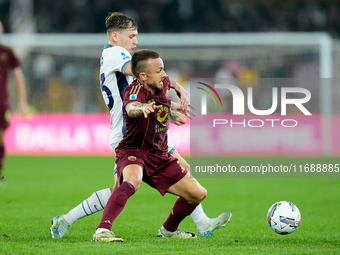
(4, 117)
(160, 171)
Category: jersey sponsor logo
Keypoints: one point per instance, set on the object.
(132, 158)
(159, 128)
(133, 97)
(125, 57)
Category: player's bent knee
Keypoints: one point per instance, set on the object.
(205, 193)
(201, 195)
(197, 197)
(134, 175)
(135, 181)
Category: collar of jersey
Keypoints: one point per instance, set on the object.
(107, 46)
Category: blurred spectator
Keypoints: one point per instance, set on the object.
(86, 16)
(58, 91)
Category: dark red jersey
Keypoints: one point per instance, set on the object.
(8, 61)
(147, 133)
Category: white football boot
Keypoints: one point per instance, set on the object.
(215, 224)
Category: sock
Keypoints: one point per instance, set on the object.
(95, 203)
(116, 204)
(2, 156)
(201, 220)
(180, 210)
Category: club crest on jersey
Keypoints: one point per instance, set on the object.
(125, 57)
(133, 97)
(162, 113)
(132, 158)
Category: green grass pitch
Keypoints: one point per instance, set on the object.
(39, 188)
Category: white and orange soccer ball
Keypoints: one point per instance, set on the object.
(283, 217)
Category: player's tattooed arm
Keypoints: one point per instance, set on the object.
(137, 109)
(134, 109)
(177, 118)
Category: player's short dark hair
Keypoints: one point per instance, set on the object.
(117, 21)
(139, 61)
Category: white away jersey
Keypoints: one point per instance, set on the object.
(113, 82)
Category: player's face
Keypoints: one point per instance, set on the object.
(155, 74)
(127, 39)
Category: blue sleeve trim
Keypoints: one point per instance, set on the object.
(172, 150)
(123, 67)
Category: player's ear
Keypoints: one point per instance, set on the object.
(142, 76)
(114, 36)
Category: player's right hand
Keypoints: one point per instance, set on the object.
(151, 107)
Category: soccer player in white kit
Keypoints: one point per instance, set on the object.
(115, 76)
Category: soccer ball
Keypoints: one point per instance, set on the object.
(283, 217)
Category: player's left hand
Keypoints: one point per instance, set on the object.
(181, 120)
(186, 111)
(183, 95)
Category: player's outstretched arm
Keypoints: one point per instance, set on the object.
(137, 109)
(183, 95)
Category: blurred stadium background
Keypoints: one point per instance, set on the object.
(252, 43)
(60, 42)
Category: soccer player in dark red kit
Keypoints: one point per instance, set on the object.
(143, 154)
(9, 61)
